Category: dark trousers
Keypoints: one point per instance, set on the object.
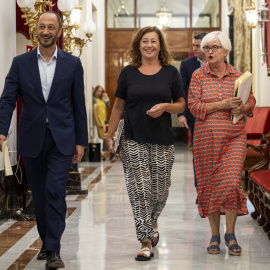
(47, 176)
(191, 128)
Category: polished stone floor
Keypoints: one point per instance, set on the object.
(100, 232)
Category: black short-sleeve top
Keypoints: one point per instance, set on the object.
(141, 92)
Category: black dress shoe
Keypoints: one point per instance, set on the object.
(54, 260)
(42, 255)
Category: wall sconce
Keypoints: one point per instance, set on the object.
(72, 18)
(164, 16)
(263, 18)
(251, 15)
(263, 14)
(33, 8)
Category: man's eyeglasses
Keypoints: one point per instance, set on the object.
(214, 48)
(198, 46)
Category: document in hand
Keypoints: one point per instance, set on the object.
(7, 165)
(117, 136)
(242, 89)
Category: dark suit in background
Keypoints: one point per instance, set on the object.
(47, 149)
(188, 66)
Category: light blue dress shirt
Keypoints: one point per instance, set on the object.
(201, 62)
(46, 71)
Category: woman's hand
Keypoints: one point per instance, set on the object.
(231, 103)
(228, 103)
(156, 110)
(237, 111)
(241, 109)
(109, 142)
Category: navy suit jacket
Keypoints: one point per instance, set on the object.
(64, 109)
(188, 66)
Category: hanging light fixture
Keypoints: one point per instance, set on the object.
(122, 10)
(164, 16)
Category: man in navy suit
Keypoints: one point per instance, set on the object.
(52, 129)
(188, 66)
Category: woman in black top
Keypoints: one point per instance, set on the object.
(144, 93)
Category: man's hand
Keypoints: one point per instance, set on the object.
(78, 156)
(182, 120)
(2, 139)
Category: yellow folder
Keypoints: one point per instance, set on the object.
(242, 89)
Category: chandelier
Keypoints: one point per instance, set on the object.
(71, 22)
(164, 16)
(122, 8)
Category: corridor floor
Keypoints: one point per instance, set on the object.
(100, 232)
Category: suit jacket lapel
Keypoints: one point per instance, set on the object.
(35, 72)
(57, 73)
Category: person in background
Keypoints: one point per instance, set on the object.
(100, 97)
(187, 67)
(219, 145)
(144, 93)
(52, 129)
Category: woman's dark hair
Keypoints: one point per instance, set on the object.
(133, 55)
(96, 89)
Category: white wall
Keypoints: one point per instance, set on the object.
(21, 43)
(262, 81)
(7, 52)
(93, 57)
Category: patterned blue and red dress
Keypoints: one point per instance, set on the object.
(219, 145)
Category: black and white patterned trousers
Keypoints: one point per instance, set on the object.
(147, 169)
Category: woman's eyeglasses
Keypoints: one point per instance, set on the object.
(214, 48)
